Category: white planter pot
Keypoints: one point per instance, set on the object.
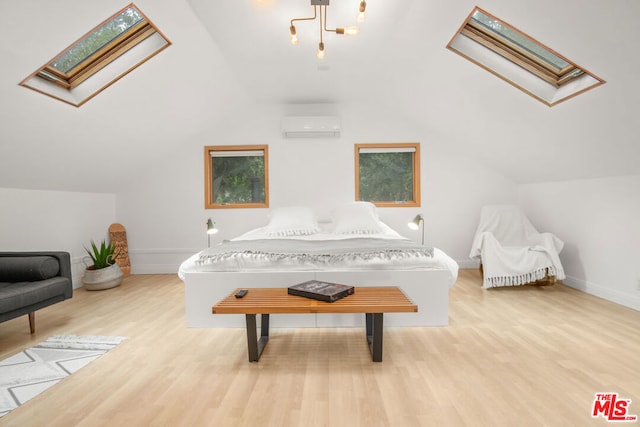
(105, 278)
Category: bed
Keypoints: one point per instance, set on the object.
(354, 248)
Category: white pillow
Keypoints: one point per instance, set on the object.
(292, 221)
(357, 218)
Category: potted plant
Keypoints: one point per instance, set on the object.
(103, 273)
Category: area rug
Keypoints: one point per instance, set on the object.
(32, 371)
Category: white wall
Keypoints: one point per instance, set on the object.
(35, 220)
(599, 221)
(163, 208)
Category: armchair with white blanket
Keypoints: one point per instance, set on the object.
(511, 251)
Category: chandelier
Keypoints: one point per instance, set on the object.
(322, 13)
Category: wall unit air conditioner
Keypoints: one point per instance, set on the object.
(310, 127)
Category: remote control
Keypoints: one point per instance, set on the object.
(241, 293)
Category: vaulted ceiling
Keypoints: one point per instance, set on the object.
(234, 53)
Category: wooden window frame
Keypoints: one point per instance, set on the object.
(97, 61)
(514, 53)
(416, 172)
(502, 46)
(102, 57)
(208, 176)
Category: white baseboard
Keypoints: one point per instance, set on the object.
(155, 269)
(159, 261)
(613, 295)
(469, 263)
(77, 272)
(147, 261)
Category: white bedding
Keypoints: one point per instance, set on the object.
(257, 251)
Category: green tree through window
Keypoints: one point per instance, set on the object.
(96, 41)
(238, 179)
(386, 177)
(388, 174)
(236, 176)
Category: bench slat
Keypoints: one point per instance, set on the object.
(277, 300)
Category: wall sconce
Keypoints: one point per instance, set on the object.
(415, 224)
(211, 229)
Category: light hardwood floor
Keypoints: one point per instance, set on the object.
(511, 356)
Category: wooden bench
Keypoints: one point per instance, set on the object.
(372, 301)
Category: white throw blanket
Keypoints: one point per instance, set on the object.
(317, 252)
(512, 251)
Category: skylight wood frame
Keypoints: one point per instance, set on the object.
(115, 59)
(101, 58)
(515, 64)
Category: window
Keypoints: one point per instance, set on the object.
(520, 60)
(97, 60)
(388, 174)
(236, 176)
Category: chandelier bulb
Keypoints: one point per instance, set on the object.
(320, 53)
(293, 36)
(348, 31)
(362, 11)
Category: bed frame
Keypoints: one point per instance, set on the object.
(429, 289)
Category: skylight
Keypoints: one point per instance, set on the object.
(98, 59)
(97, 40)
(520, 60)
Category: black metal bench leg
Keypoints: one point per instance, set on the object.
(374, 325)
(255, 345)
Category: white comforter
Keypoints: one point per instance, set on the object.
(319, 251)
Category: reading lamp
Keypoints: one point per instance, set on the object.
(415, 224)
(211, 229)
